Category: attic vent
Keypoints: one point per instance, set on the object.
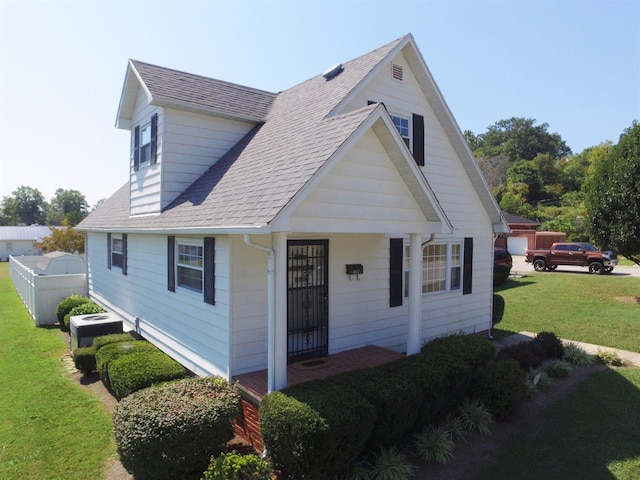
(333, 71)
(396, 72)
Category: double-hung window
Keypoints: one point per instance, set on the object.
(145, 143)
(189, 265)
(441, 267)
(117, 251)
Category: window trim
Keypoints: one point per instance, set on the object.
(189, 242)
(113, 253)
(138, 147)
(449, 267)
(207, 292)
(401, 118)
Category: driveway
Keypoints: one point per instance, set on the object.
(522, 267)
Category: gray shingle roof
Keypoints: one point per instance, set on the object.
(180, 89)
(251, 184)
(32, 232)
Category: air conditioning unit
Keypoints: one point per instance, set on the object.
(84, 328)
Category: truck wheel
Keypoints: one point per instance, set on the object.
(552, 267)
(608, 269)
(596, 267)
(540, 265)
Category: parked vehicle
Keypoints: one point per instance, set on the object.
(572, 253)
(502, 257)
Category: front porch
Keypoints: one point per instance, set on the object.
(254, 385)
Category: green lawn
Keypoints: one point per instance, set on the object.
(599, 309)
(49, 427)
(592, 433)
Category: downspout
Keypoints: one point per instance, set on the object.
(270, 308)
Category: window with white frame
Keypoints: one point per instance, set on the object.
(117, 251)
(402, 124)
(441, 267)
(189, 264)
(145, 144)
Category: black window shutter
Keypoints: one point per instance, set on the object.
(418, 139)
(136, 148)
(396, 247)
(467, 274)
(154, 138)
(109, 251)
(209, 270)
(171, 263)
(124, 253)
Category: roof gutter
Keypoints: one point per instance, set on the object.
(230, 230)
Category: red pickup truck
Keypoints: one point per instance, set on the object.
(576, 253)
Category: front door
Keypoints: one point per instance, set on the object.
(307, 299)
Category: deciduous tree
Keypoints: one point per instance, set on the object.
(613, 197)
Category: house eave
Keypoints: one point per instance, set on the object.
(226, 230)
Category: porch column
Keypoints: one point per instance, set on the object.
(277, 368)
(415, 294)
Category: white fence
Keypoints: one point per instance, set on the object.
(42, 293)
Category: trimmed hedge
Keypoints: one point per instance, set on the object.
(135, 371)
(550, 345)
(233, 466)
(474, 350)
(528, 354)
(84, 358)
(172, 430)
(314, 430)
(101, 341)
(82, 309)
(501, 274)
(65, 306)
(498, 309)
(112, 351)
(500, 387)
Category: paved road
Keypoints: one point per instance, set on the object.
(520, 266)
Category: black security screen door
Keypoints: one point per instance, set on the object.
(307, 299)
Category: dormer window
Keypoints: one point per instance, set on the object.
(145, 143)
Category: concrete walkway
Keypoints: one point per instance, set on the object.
(627, 357)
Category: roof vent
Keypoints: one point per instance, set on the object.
(332, 71)
(396, 72)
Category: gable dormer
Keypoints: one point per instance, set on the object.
(181, 124)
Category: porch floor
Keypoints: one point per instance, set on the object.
(319, 368)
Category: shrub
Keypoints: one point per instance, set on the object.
(498, 309)
(609, 357)
(390, 464)
(101, 341)
(66, 305)
(132, 372)
(536, 380)
(500, 274)
(528, 354)
(556, 368)
(315, 430)
(474, 350)
(475, 417)
(500, 387)
(84, 358)
(575, 354)
(550, 345)
(111, 351)
(82, 309)
(394, 390)
(171, 430)
(434, 444)
(233, 466)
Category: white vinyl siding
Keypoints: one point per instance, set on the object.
(180, 323)
(363, 193)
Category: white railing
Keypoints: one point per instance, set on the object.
(42, 293)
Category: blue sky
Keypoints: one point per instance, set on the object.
(574, 64)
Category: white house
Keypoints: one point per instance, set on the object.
(258, 229)
(21, 240)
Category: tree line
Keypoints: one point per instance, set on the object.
(593, 196)
(27, 206)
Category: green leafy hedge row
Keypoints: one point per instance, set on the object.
(315, 430)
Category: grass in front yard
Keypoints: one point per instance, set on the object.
(599, 309)
(49, 428)
(594, 432)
